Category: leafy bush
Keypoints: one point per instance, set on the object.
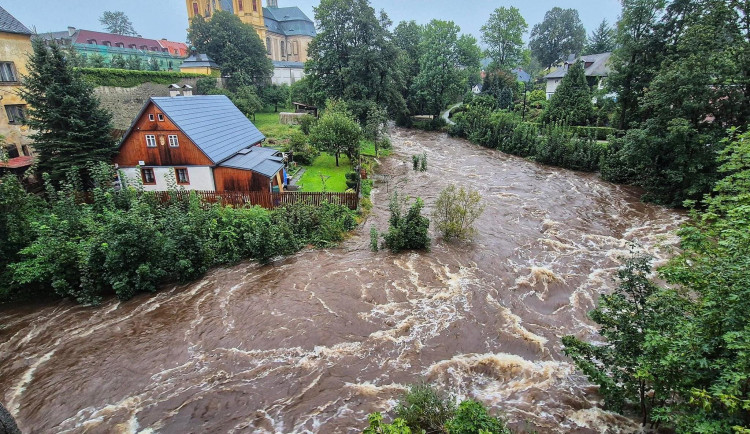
(409, 232)
(205, 85)
(131, 78)
(352, 179)
(307, 122)
(425, 408)
(125, 242)
(472, 418)
(378, 427)
(456, 211)
(423, 162)
(303, 152)
(415, 162)
(374, 239)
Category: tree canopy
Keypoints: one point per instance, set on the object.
(503, 35)
(235, 46)
(679, 106)
(70, 129)
(336, 132)
(446, 64)
(118, 23)
(353, 58)
(560, 34)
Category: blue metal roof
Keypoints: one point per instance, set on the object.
(265, 161)
(212, 122)
(288, 21)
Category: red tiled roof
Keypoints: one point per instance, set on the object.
(83, 36)
(18, 162)
(182, 49)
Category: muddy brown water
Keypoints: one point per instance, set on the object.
(316, 341)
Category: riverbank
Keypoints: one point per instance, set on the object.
(345, 330)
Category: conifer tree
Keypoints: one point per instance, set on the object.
(571, 104)
(71, 130)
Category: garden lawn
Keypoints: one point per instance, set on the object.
(268, 124)
(367, 147)
(325, 165)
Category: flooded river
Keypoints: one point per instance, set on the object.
(315, 342)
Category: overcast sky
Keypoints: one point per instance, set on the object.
(158, 19)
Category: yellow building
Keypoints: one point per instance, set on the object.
(15, 46)
(285, 31)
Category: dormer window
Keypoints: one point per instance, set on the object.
(144, 48)
(132, 46)
(107, 43)
(120, 45)
(91, 41)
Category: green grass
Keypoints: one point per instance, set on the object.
(367, 147)
(326, 165)
(268, 124)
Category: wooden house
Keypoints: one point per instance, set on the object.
(200, 143)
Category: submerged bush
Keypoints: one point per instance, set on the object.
(455, 212)
(425, 408)
(407, 232)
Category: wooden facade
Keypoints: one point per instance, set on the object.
(229, 179)
(151, 144)
(134, 149)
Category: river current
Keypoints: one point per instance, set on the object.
(316, 341)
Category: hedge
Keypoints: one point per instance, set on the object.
(599, 133)
(131, 78)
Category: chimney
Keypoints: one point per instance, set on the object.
(71, 31)
(174, 90)
(187, 90)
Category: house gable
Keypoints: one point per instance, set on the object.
(134, 149)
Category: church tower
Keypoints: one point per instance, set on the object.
(251, 12)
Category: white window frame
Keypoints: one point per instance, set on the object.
(174, 141)
(150, 141)
(151, 117)
(161, 117)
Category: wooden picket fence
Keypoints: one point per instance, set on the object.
(263, 198)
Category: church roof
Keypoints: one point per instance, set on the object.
(199, 61)
(9, 24)
(289, 21)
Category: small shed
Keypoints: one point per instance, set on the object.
(305, 108)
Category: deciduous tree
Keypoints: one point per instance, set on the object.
(337, 132)
(235, 46)
(353, 57)
(503, 35)
(560, 33)
(118, 23)
(445, 65)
